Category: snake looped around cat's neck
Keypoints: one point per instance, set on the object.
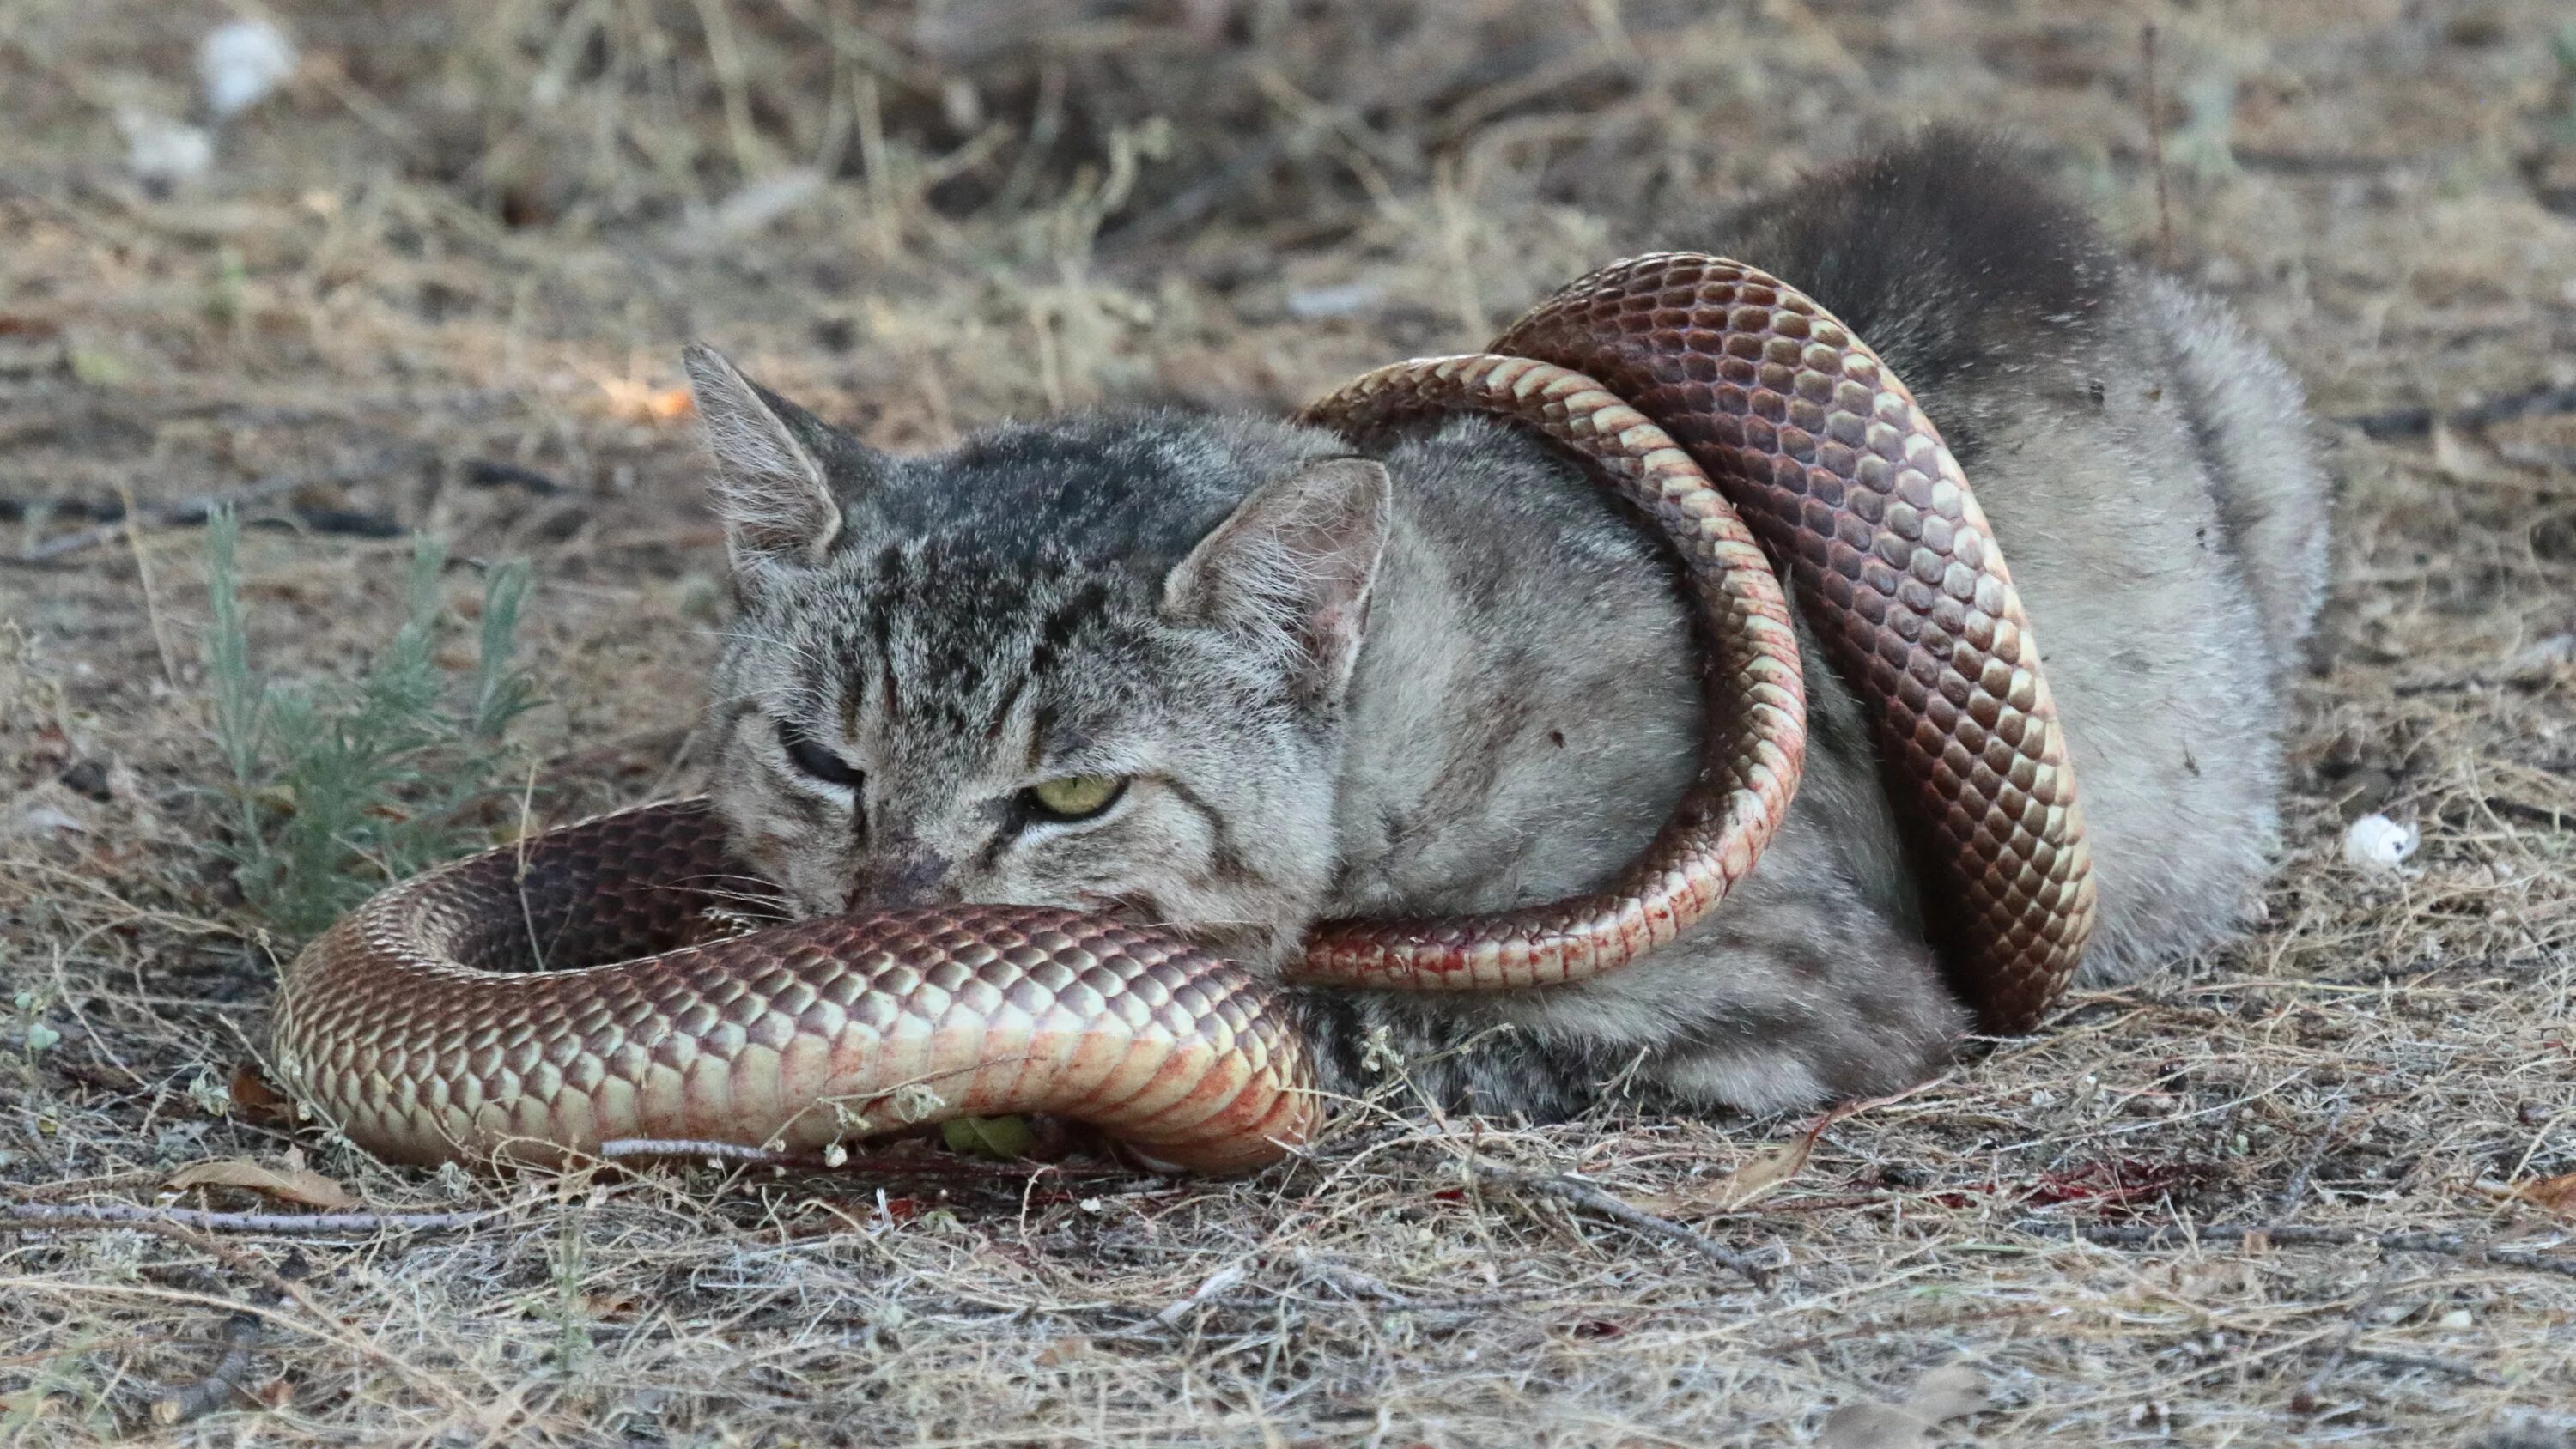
(1738, 414)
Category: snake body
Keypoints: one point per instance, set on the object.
(468, 1012)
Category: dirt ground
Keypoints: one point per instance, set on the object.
(437, 283)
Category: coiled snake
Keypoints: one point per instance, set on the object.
(420, 1025)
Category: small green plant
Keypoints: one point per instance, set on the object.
(573, 1346)
(2563, 46)
(340, 786)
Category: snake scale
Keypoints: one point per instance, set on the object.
(586, 986)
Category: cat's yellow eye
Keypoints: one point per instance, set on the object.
(1076, 797)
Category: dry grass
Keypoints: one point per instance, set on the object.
(473, 235)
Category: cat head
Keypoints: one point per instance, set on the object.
(1097, 662)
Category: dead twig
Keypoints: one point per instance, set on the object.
(1361, 1286)
(494, 473)
(1626, 1214)
(2341, 1349)
(2430, 1363)
(2298, 1188)
(67, 510)
(221, 1383)
(242, 1329)
(46, 1216)
(2175, 1235)
(656, 1149)
(284, 1283)
(349, 523)
(2543, 401)
(193, 512)
(2154, 104)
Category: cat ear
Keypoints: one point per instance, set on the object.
(1293, 567)
(769, 485)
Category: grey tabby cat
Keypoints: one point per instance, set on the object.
(1217, 672)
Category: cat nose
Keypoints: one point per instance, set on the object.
(903, 873)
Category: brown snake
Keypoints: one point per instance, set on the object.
(418, 1026)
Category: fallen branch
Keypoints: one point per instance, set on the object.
(2416, 422)
(285, 1282)
(41, 1216)
(846, 1163)
(349, 523)
(2171, 1235)
(1626, 1214)
(493, 473)
(2152, 101)
(243, 1328)
(658, 1149)
(2297, 1191)
(1360, 1285)
(189, 513)
(193, 512)
(69, 510)
(2394, 1358)
(221, 1383)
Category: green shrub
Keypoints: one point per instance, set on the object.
(2563, 45)
(341, 786)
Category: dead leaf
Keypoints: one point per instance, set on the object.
(641, 402)
(1953, 1391)
(2456, 458)
(1756, 1175)
(1765, 1170)
(311, 1189)
(2550, 1194)
(1002, 1138)
(1062, 1351)
(254, 1100)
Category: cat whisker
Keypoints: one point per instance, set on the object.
(797, 649)
(756, 893)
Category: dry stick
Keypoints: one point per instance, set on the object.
(2397, 1359)
(623, 1149)
(1318, 122)
(283, 1282)
(176, 515)
(221, 1383)
(237, 413)
(1205, 195)
(2449, 1245)
(104, 1215)
(495, 473)
(2287, 1208)
(39, 1191)
(2541, 401)
(193, 511)
(243, 1327)
(2314, 1388)
(151, 594)
(1359, 1285)
(1626, 1214)
(2298, 1188)
(326, 1325)
(2156, 149)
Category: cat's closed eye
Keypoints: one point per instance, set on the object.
(1074, 797)
(815, 760)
